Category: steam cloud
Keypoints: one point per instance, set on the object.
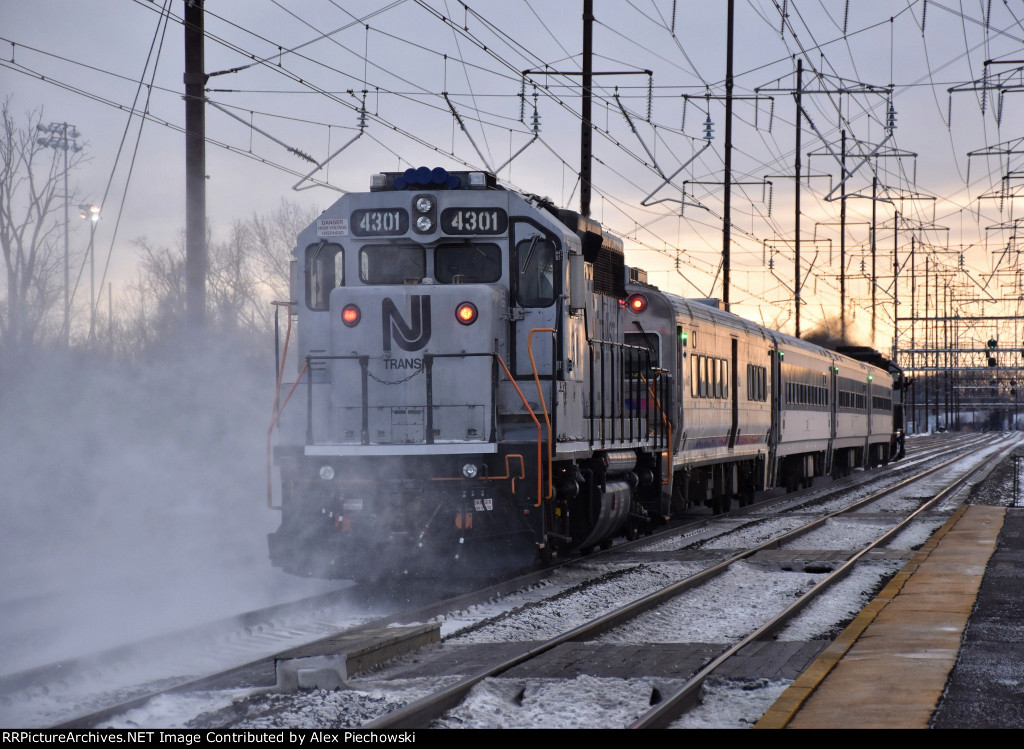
(133, 498)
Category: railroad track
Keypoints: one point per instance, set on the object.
(258, 671)
(426, 711)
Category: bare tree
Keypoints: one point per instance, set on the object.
(272, 240)
(31, 194)
(247, 271)
(237, 287)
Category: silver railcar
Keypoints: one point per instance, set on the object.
(484, 383)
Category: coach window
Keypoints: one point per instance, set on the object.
(324, 271)
(467, 263)
(391, 264)
(535, 266)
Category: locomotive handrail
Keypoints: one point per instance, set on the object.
(364, 362)
(532, 416)
(543, 406)
(428, 358)
(615, 386)
(668, 428)
(282, 356)
(428, 369)
(540, 486)
(270, 430)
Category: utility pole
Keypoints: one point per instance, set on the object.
(913, 326)
(727, 209)
(842, 241)
(895, 275)
(796, 242)
(874, 276)
(195, 166)
(585, 125)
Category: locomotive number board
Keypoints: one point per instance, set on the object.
(474, 221)
(380, 223)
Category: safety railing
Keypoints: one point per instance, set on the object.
(625, 404)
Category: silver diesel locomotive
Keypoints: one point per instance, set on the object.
(483, 383)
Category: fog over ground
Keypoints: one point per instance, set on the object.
(133, 497)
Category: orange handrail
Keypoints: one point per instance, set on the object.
(278, 410)
(284, 352)
(270, 430)
(535, 421)
(668, 428)
(508, 473)
(543, 406)
(277, 397)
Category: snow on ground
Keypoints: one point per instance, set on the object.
(723, 610)
(755, 533)
(821, 618)
(732, 703)
(583, 702)
(842, 533)
(587, 701)
(551, 618)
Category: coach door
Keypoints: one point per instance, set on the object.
(733, 393)
(833, 414)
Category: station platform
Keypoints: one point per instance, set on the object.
(941, 646)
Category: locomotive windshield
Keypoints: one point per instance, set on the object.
(392, 264)
(467, 263)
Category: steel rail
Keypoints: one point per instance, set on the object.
(671, 708)
(419, 713)
(66, 669)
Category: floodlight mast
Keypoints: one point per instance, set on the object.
(62, 137)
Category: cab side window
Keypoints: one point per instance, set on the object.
(535, 268)
(325, 270)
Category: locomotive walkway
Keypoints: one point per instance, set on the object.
(942, 645)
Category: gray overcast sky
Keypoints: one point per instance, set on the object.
(302, 68)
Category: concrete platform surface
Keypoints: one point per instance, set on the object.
(941, 646)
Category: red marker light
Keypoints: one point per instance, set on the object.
(637, 303)
(350, 315)
(465, 313)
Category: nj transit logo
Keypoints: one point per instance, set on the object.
(409, 336)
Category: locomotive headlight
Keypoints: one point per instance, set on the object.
(637, 303)
(350, 315)
(466, 313)
(423, 223)
(469, 471)
(326, 473)
(424, 204)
